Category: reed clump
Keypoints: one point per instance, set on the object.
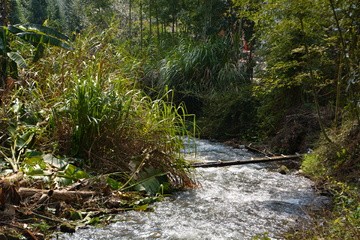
(85, 105)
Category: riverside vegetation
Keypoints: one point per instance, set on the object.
(284, 74)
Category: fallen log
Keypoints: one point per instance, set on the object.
(57, 194)
(269, 154)
(15, 177)
(247, 161)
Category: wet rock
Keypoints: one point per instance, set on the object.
(283, 169)
(67, 228)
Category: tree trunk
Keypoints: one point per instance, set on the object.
(312, 80)
(347, 64)
(141, 25)
(157, 25)
(130, 21)
(338, 93)
(173, 22)
(150, 21)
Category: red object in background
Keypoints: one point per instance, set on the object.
(245, 46)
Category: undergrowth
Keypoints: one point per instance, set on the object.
(335, 168)
(85, 104)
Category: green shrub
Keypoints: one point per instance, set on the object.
(313, 165)
(229, 114)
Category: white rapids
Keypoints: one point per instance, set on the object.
(235, 202)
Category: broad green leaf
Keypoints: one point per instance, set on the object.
(39, 52)
(15, 30)
(42, 165)
(75, 215)
(141, 208)
(55, 162)
(94, 221)
(70, 170)
(64, 181)
(45, 39)
(150, 186)
(24, 140)
(149, 182)
(42, 29)
(31, 154)
(33, 160)
(17, 58)
(37, 171)
(115, 185)
(88, 218)
(80, 174)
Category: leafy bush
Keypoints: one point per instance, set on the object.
(200, 67)
(313, 165)
(229, 114)
(92, 112)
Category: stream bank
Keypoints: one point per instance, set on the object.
(235, 202)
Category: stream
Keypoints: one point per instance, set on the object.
(235, 202)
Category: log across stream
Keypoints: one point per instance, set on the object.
(233, 202)
(220, 163)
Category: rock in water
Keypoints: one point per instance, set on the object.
(67, 228)
(283, 169)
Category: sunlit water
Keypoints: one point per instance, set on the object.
(235, 202)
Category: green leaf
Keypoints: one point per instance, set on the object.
(148, 181)
(33, 160)
(64, 181)
(15, 30)
(94, 221)
(24, 140)
(17, 58)
(41, 29)
(39, 52)
(141, 208)
(80, 174)
(37, 171)
(115, 185)
(42, 165)
(55, 162)
(75, 215)
(31, 154)
(70, 170)
(45, 39)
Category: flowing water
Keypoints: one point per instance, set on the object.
(235, 202)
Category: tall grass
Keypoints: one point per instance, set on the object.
(195, 66)
(93, 111)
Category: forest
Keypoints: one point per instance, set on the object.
(106, 90)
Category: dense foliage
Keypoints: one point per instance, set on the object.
(246, 68)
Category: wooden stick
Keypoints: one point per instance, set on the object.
(57, 194)
(238, 162)
(14, 226)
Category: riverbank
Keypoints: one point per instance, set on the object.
(74, 138)
(335, 169)
(233, 202)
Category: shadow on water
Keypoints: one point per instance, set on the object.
(236, 202)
